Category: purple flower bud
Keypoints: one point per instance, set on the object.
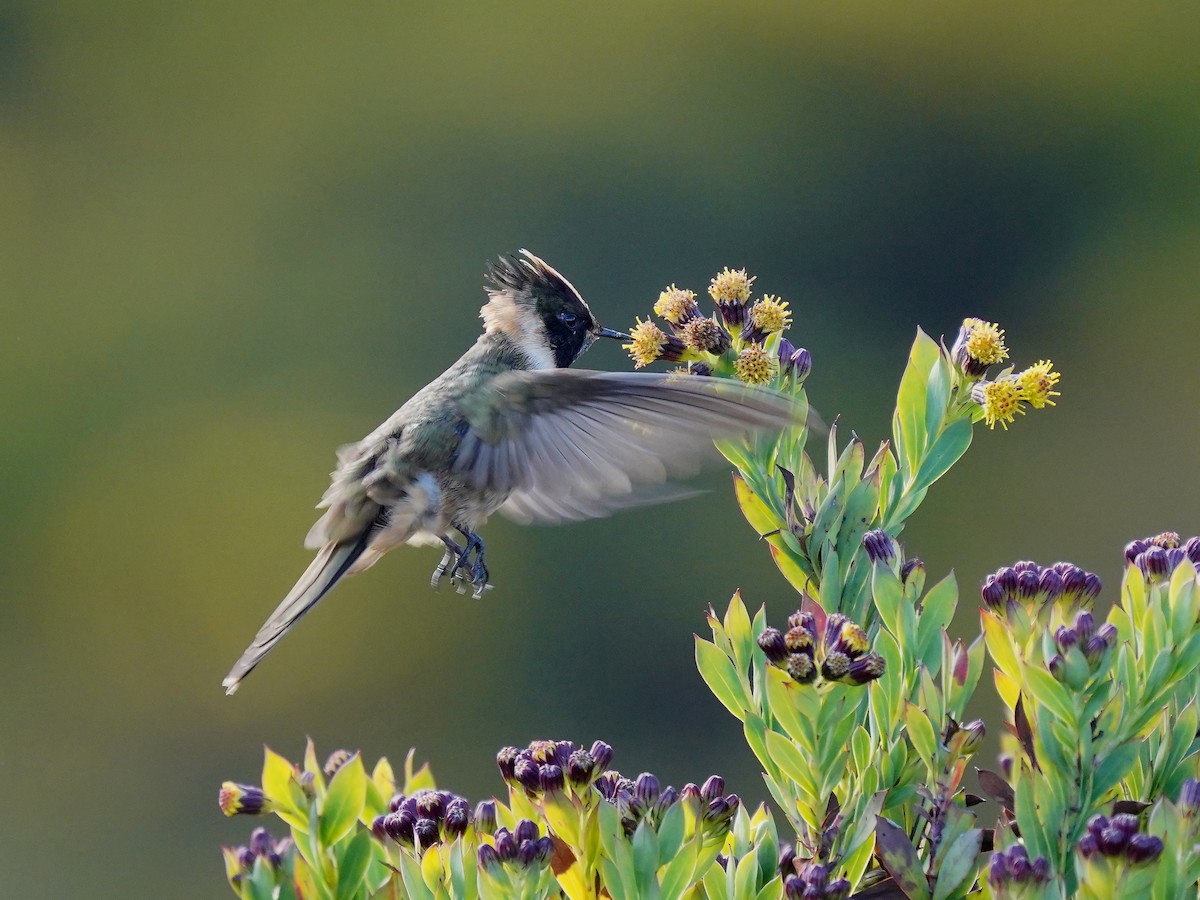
(378, 829)
(1007, 579)
(798, 363)
(838, 890)
(1057, 666)
(261, 842)
(394, 803)
(1065, 637)
(787, 857)
(717, 810)
(1050, 584)
(506, 847)
(458, 816)
(551, 779)
(835, 666)
(992, 593)
(506, 759)
(488, 857)
(1085, 625)
(1153, 563)
(527, 853)
(1028, 584)
(430, 806)
(528, 774)
(602, 755)
(912, 568)
(308, 784)
(562, 752)
(246, 857)
(793, 887)
(1125, 823)
(545, 849)
(1091, 588)
(580, 767)
(666, 799)
(1026, 565)
(1072, 579)
(879, 546)
(242, 799)
(1134, 549)
(866, 668)
(771, 643)
(1094, 649)
(1112, 841)
(689, 790)
(803, 620)
(713, 787)
(1019, 868)
(526, 831)
(1189, 796)
(646, 788)
(1041, 870)
(399, 826)
(700, 368)
(1143, 848)
(1168, 540)
(425, 832)
(542, 751)
(1192, 550)
(485, 816)
(1088, 845)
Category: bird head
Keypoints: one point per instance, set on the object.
(540, 311)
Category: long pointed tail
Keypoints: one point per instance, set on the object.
(330, 564)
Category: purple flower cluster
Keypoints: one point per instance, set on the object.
(262, 846)
(644, 798)
(1081, 648)
(1119, 837)
(424, 819)
(1013, 867)
(813, 883)
(794, 360)
(842, 654)
(1158, 556)
(522, 847)
(1029, 585)
(550, 765)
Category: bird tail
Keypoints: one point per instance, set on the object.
(330, 564)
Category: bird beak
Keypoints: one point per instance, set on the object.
(609, 333)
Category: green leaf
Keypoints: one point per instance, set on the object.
(793, 706)
(1043, 688)
(908, 423)
(645, 856)
(921, 734)
(793, 765)
(671, 833)
(889, 599)
(352, 866)
(678, 875)
(737, 627)
(745, 880)
(959, 862)
(280, 785)
(722, 678)
(797, 574)
(948, 449)
(757, 513)
(897, 855)
(343, 801)
(1113, 766)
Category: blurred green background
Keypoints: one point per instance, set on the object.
(236, 236)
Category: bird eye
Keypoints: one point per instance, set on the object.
(567, 318)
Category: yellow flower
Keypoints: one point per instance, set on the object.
(646, 344)
(753, 365)
(1037, 384)
(770, 314)
(854, 639)
(1001, 401)
(676, 305)
(731, 285)
(985, 342)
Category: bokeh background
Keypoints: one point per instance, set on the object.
(235, 236)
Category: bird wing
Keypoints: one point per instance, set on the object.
(572, 444)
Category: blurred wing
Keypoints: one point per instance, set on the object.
(569, 444)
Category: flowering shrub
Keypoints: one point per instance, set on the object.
(855, 705)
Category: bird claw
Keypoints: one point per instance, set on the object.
(464, 571)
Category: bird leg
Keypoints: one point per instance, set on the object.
(453, 552)
(465, 566)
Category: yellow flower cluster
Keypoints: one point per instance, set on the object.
(770, 314)
(754, 365)
(730, 285)
(985, 342)
(647, 341)
(1003, 399)
(676, 305)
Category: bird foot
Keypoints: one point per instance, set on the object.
(464, 565)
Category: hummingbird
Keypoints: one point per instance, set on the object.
(510, 427)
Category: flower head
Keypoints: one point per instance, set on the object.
(649, 343)
(1001, 401)
(706, 335)
(1037, 384)
(676, 305)
(730, 286)
(793, 360)
(982, 342)
(753, 365)
(243, 799)
(770, 314)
